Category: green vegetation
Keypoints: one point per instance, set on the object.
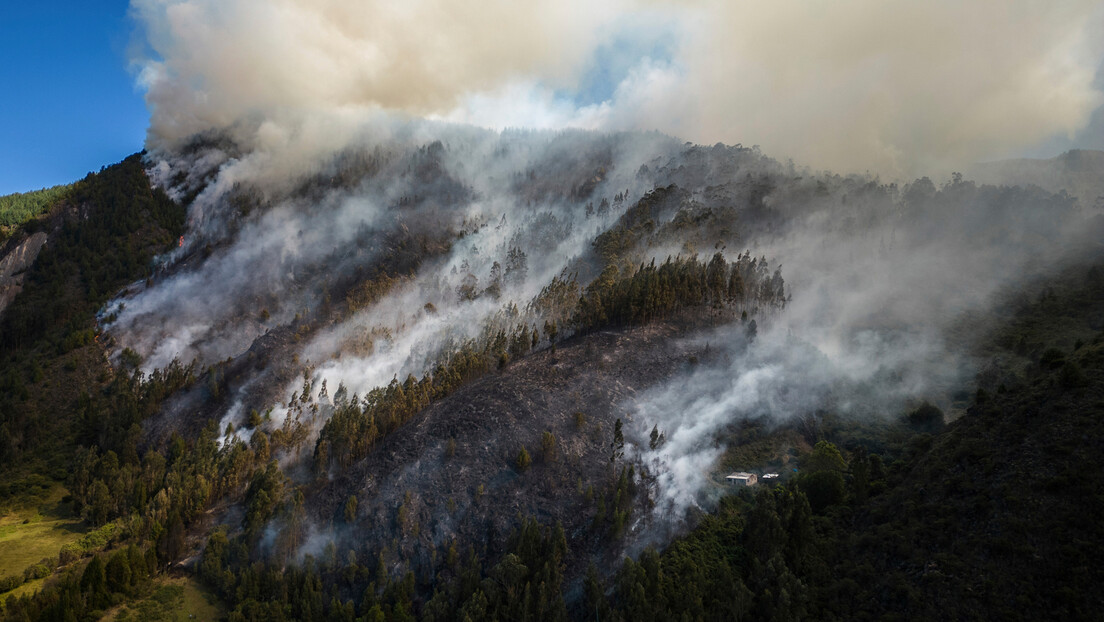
(650, 292)
(87, 592)
(172, 599)
(988, 517)
(161, 495)
(523, 460)
(548, 446)
(615, 504)
(18, 208)
(633, 296)
(31, 534)
(52, 369)
(125, 223)
(357, 424)
(526, 583)
(991, 515)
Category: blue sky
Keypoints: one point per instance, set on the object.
(69, 103)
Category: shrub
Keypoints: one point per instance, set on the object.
(1072, 376)
(548, 446)
(1052, 358)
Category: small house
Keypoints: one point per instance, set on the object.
(741, 479)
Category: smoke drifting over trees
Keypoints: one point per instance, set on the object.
(450, 272)
(894, 89)
(384, 267)
(345, 232)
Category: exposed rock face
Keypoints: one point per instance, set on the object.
(14, 263)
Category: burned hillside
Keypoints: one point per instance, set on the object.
(410, 367)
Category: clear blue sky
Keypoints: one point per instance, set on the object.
(69, 105)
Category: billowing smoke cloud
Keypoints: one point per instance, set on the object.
(890, 87)
(894, 87)
(464, 230)
(883, 284)
(779, 378)
(329, 132)
(219, 62)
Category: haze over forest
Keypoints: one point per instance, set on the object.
(430, 312)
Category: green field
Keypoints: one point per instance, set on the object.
(173, 599)
(27, 535)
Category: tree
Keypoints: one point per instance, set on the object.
(494, 290)
(170, 546)
(594, 593)
(517, 266)
(1072, 376)
(926, 418)
(617, 447)
(523, 460)
(552, 331)
(823, 488)
(822, 477)
(118, 573)
(825, 457)
(94, 583)
(548, 446)
(468, 289)
(351, 509)
(860, 474)
(264, 495)
(715, 278)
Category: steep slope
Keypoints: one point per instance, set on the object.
(442, 378)
(992, 517)
(454, 468)
(995, 517)
(15, 258)
(102, 235)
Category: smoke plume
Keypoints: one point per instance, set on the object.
(898, 88)
(314, 142)
(883, 283)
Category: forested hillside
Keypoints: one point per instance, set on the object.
(18, 208)
(989, 517)
(102, 234)
(503, 376)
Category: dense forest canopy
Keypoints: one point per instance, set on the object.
(18, 208)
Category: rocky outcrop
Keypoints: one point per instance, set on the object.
(14, 264)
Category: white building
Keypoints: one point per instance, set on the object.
(741, 479)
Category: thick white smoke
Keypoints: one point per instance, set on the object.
(889, 87)
(882, 283)
(285, 91)
(473, 195)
